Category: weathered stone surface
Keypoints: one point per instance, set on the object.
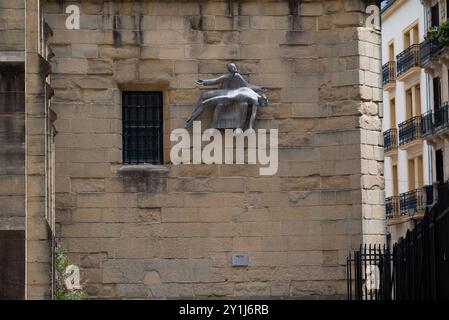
(172, 235)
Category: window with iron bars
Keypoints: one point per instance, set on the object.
(142, 127)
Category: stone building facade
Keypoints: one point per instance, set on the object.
(27, 155)
(166, 231)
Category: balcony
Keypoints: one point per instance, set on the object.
(410, 131)
(435, 124)
(392, 207)
(429, 49)
(390, 141)
(408, 62)
(412, 202)
(409, 205)
(389, 75)
(441, 117)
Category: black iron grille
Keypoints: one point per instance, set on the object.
(411, 201)
(390, 140)
(142, 127)
(392, 207)
(427, 123)
(441, 115)
(428, 49)
(410, 130)
(407, 59)
(389, 72)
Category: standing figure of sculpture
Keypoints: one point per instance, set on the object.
(228, 113)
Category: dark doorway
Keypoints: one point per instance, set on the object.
(436, 93)
(439, 165)
(435, 15)
(12, 264)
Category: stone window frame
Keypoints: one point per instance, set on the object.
(149, 168)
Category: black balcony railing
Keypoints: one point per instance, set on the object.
(441, 116)
(410, 130)
(389, 73)
(407, 59)
(392, 207)
(427, 50)
(427, 123)
(390, 140)
(411, 201)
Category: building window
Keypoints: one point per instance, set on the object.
(435, 15)
(393, 113)
(395, 179)
(411, 36)
(415, 173)
(391, 55)
(413, 101)
(142, 127)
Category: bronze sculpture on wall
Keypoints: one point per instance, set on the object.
(231, 101)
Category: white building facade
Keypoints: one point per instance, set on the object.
(408, 157)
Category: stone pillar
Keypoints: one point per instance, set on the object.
(372, 175)
(38, 247)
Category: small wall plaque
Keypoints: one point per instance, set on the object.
(240, 260)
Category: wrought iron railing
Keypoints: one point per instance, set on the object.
(427, 123)
(390, 140)
(427, 50)
(410, 130)
(411, 201)
(416, 268)
(389, 72)
(392, 207)
(408, 59)
(369, 273)
(441, 116)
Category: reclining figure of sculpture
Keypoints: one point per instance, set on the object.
(230, 101)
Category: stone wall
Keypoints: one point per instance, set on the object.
(38, 154)
(12, 25)
(12, 106)
(170, 232)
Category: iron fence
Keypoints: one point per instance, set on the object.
(417, 267)
(369, 272)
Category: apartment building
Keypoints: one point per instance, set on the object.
(435, 63)
(408, 158)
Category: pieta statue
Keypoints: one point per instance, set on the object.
(231, 101)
